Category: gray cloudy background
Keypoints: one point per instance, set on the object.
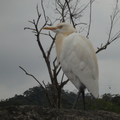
(18, 47)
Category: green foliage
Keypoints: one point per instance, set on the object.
(68, 99)
(101, 104)
(36, 96)
(33, 96)
(116, 100)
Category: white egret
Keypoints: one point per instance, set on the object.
(77, 57)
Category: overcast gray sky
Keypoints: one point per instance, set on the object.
(18, 47)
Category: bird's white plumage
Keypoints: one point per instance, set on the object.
(77, 58)
(78, 61)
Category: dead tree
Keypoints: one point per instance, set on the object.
(66, 10)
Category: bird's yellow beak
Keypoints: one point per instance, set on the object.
(49, 28)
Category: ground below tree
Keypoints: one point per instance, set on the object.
(30, 112)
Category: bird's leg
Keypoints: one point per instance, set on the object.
(78, 95)
(83, 96)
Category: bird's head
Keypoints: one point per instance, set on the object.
(64, 28)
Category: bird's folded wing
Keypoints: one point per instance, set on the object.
(78, 57)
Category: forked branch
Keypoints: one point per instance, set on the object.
(113, 20)
(45, 90)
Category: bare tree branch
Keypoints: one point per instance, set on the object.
(89, 26)
(64, 83)
(31, 76)
(71, 15)
(113, 20)
(46, 93)
(43, 10)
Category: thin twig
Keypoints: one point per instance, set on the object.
(89, 26)
(64, 83)
(71, 15)
(31, 76)
(43, 10)
(45, 90)
(62, 77)
(113, 21)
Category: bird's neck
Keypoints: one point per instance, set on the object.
(58, 42)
